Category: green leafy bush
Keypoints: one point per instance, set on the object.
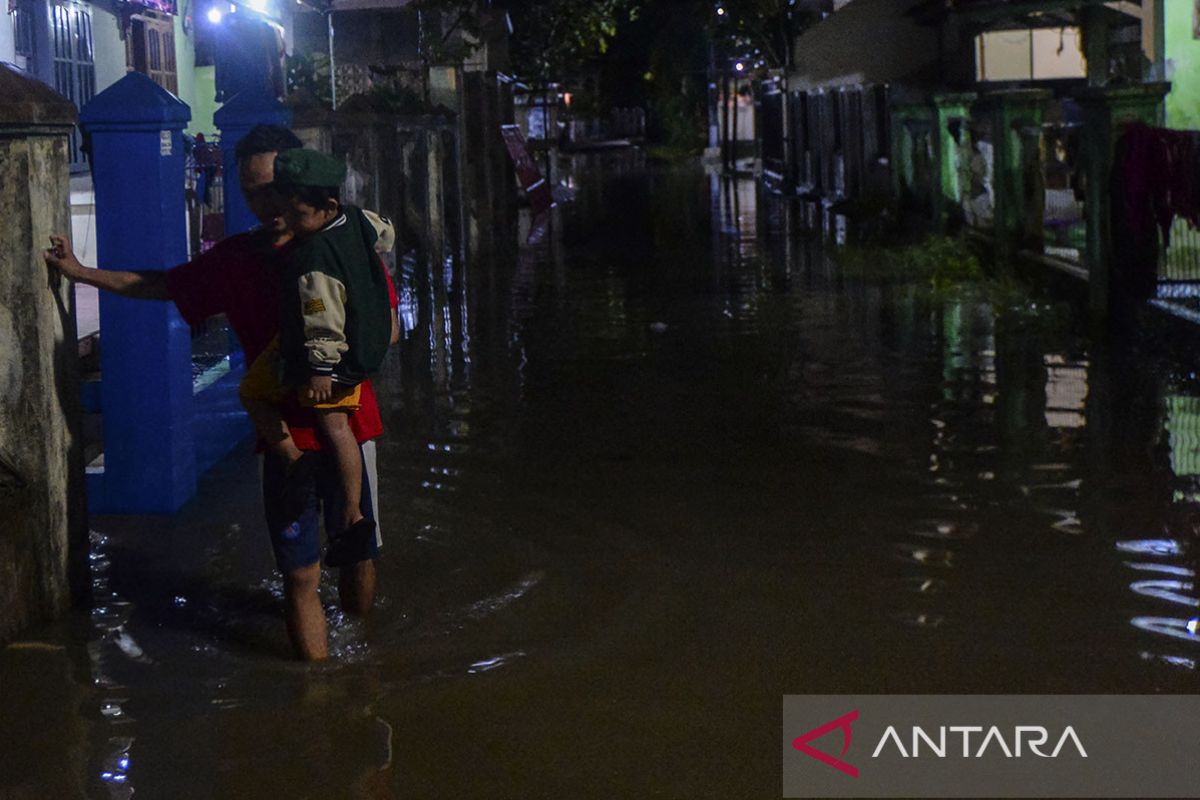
(943, 261)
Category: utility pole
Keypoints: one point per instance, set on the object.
(735, 112)
(332, 65)
(714, 119)
(725, 146)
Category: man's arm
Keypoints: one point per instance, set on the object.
(323, 309)
(149, 285)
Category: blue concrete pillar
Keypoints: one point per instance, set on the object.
(136, 131)
(235, 119)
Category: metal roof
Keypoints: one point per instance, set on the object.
(998, 14)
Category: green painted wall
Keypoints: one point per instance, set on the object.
(204, 104)
(1183, 66)
(185, 58)
(197, 85)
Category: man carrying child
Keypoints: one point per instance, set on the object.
(241, 278)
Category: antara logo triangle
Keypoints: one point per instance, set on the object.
(843, 723)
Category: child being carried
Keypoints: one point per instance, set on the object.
(335, 326)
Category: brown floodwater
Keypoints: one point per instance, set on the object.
(664, 466)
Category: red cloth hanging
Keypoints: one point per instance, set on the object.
(1159, 172)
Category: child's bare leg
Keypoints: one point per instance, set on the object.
(272, 430)
(335, 429)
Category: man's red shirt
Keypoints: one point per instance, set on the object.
(239, 277)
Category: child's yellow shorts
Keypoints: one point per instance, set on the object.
(261, 384)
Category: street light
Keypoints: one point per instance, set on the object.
(214, 16)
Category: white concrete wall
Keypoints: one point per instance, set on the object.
(109, 48)
(7, 51)
(83, 240)
(109, 55)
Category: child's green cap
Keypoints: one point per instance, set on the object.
(308, 168)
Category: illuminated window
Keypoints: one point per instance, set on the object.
(1029, 54)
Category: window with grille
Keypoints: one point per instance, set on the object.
(23, 32)
(73, 63)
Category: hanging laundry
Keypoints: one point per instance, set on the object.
(1159, 170)
(1155, 179)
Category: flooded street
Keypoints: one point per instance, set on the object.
(670, 465)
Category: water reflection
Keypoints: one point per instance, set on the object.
(110, 637)
(1169, 582)
(1066, 391)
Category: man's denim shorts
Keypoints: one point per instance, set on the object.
(297, 542)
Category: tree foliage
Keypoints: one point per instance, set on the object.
(552, 38)
(763, 29)
(450, 30)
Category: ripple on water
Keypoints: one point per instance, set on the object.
(1178, 590)
(1172, 627)
(920, 584)
(494, 662)
(1152, 547)
(1178, 662)
(502, 600)
(945, 529)
(925, 556)
(1170, 591)
(916, 619)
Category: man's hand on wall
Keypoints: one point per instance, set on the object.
(62, 258)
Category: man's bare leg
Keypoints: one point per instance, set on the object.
(356, 588)
(335, 428)
(305, 617)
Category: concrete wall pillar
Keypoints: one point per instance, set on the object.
(1012, 113)
(951, 113)
(1094, 28)
(445, 85)
(43, 537)
(1105, 110)
(902, 161)
(911, 119)
(312, 121)
(136, 130)
(435, 193)
(235, 119)
(477, 131)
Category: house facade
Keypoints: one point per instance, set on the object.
(996, 116)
